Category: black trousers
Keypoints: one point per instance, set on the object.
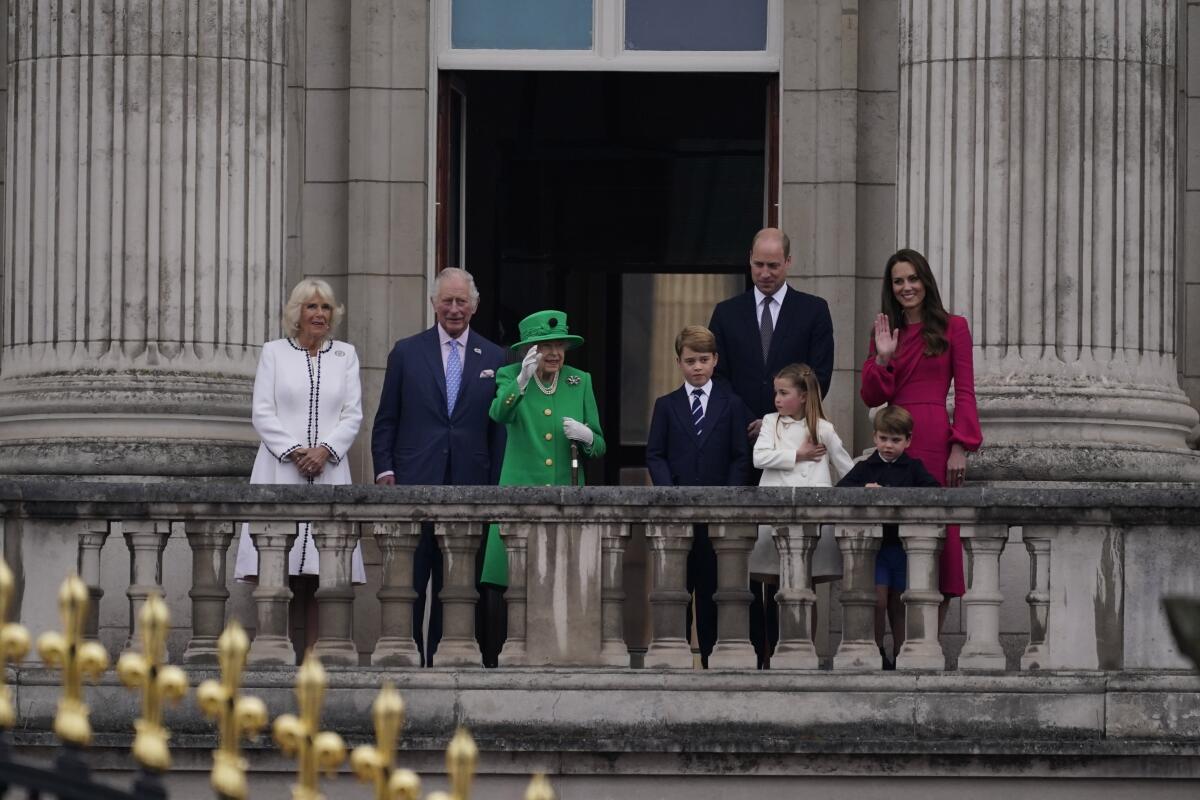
(427, 563)
(764, 621)
(702, 585)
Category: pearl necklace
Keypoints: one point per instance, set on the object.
(547, 389)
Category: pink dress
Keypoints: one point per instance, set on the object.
(919, 384)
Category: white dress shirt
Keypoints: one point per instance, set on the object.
(707, 393)
(444, 339)
(776, 304)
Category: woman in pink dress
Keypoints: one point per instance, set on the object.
(918, 351)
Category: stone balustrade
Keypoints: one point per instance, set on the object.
(1098, 560)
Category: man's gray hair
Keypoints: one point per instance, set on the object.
(455, 272)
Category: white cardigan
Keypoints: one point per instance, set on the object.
(280, 414)
(775, 453)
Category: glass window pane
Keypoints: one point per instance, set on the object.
(521, 24)
(695, 24)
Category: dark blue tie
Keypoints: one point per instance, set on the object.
(697, 411)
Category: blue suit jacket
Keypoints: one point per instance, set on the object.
(803, 334)
(415, 437)
(720, 456)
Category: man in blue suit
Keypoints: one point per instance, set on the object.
(432, 426)
(759, 332)
(697, 438)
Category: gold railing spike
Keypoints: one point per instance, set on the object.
(78, 659)
(461, 757)
(374, 763)
(236, 716)
(539, 788)
(14, 645)
(159, 683)
(316, 751)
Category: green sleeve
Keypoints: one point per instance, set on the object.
(591, 418)
(508, 398)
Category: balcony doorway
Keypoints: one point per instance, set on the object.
(627, 200)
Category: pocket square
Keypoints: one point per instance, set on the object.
(488, 373)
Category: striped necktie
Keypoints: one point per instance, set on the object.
(697, 411)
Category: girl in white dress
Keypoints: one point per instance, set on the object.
(795, 447)
(307, 409)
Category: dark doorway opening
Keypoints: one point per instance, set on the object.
(627, 200)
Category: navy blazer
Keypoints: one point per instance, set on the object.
(803, 334)
(415, 437)
(719, 456)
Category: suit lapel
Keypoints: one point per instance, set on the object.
(681, 407)
(716, 406)
(433, 356)
(789, 313)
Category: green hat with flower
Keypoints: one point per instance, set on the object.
(546, 326)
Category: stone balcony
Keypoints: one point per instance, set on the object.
(1062, 664)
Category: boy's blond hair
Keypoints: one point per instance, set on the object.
(696, 338)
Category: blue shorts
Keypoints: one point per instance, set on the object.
(891, 566)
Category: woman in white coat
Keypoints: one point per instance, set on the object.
(307, 410)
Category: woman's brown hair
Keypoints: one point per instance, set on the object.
(803, 378)
(933, 313)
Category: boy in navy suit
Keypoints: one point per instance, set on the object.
(698, 438)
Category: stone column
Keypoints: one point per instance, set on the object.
(1036, 172)
(146, 541)
(733, 544)
(459, 542)
(516, 543)
(983, 545)
(613, 650)
(91, 542)
(859, 544)
(396, 646)
(1037, 652)
(210, 543)
(796, 597)
(335, 543)
(669, 545)
(143, 233)
(272, 644)
(921, 648)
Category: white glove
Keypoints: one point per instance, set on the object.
(528, 366)
(577, 431)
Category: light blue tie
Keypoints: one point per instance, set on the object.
(453, 377)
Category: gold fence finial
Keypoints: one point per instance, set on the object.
(158, 683)
(539, 788)
(461, 756)
(76, 658)
(316, 751)
(236, 716)
(14, 645)
(373, 763)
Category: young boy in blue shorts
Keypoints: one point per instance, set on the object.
(890, 466)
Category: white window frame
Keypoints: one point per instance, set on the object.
(608, 49)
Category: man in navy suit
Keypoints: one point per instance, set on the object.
(759, 332)
(432, 426)
(697, 438)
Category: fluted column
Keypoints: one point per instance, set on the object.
(143, 233)
(1037, 173)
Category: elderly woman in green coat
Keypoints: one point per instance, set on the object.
(546, 406)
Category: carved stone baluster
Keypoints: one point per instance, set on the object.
(796, 597)
(1037, 654)
(983, 545)
(459, 541)
(209, 542)
(733, 544)
(922, 649)
(516, 543)
(396, 646)
(146, 540)
(859, 544)
(669, 545)
(91, 542)
(271, 645)
(335, 541)
(613, 650)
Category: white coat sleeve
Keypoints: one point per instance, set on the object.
(767, 455)
(350, 415)
(264, 415)
(841, 460)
